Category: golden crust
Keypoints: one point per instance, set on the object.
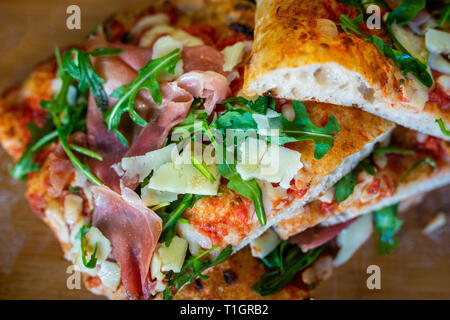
(288, 35)
(387, 182)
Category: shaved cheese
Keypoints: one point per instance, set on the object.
(265, 244)
(186, 38)
(141, 166)
(149, 37)
(233, 55)
(414, 44)
(149, 21)
(181, 177)
(155, 269)
(73, 206)
(163, 46)
(444, 82)
(184, 178)
(438, 222)
(438, 63)
(437, 41)
(262, 121)
(195, 239)
(152, 197)
(109, 273)
(94, 237)
(352, 237)
(277, 164)
(172, 257)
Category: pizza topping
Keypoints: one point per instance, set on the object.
(285, 262)
(209, 85)
(437, 41)
(387, 225)
(233, 55)
(352, 237)
(274, 164)
(265, 244)
(317, 236)
(134, 231)
(202, 58)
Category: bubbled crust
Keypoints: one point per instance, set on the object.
(232, 280)
(391, 182)
(357, 128)
(287, 36)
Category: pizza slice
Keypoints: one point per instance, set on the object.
(328, 51)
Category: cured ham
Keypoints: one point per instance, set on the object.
(133, 231)
(202, 58)
(317, 236)
(210, 85)
(173, 109)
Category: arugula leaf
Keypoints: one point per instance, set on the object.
(401, 58)
(275, 258)
(427, 160)
(246, 188)
(68, 118)
(260, 105)
(406, 62)
(170, 220)
(441, 124)
(78, 65)
(193, 268)
(302, 129)
(390, 150)
(81, 235)
(104, 52)
(404, 13)
(202, 169)
(344, 187)
(348, 24)
(387, 225)
(40, 137)
(445, 16)
(146, 79)
(290, 261)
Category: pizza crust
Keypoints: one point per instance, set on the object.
(296, 56)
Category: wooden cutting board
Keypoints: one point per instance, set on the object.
(31, 262)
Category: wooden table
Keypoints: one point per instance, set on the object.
(31, 263)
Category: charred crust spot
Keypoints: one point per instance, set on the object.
(347, 41)
(295, 27)
(242, 28)
(198, 284)
(326, 46)
(242, 6)
(229, 276)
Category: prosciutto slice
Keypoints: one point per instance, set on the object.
(134, 231)
(204, 78)
(173, 109)
(317, 236)
(202, 58)
(209, 85)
